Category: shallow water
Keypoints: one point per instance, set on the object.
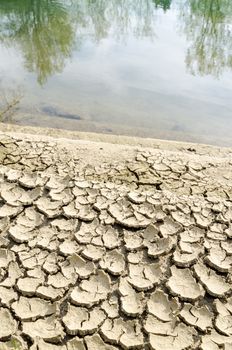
(153, 68)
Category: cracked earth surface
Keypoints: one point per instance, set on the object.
(98, 253)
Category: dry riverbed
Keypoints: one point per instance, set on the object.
(117, 243)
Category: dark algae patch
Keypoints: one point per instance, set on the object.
(55, 112)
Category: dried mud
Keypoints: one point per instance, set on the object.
(107, 247)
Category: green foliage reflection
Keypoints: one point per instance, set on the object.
(164, 4)
(208, 27)
(43, 31)
(46, 31)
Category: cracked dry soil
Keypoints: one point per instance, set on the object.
(101, 254)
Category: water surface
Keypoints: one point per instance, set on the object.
(153, 68)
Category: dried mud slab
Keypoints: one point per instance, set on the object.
(8, 324)
(199, 317)
(160, 306)
(92, 291)
(17, 196)
(223, 322)
(170, 227)
(7, 296)
(132, 302)
(49, 329)
(48, 207)
(182, 338)
(125, 248)
(215, 284)
(8, 211)
(39, 344)
(161, 246)
(49, 293)
(125, 333)
(113, 262)
(183, 284)
(6, 256)
(124, 214)
(28, 285)
(82, 321)
(32, 308)
(59, 281)
(219, 260)
(144, 276)
(15, 342)
(95, 342)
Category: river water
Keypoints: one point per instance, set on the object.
(150, 68)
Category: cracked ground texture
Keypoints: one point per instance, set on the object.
(106, 247)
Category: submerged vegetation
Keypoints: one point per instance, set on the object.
(9, 103)
(47, 31)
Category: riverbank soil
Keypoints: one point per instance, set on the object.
(113, 243)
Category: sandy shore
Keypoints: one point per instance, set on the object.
(111, 242)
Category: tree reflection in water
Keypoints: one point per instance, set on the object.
(43, 31)
(164, 4)
(47, 31)
(208, 27)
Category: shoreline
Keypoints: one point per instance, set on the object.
(145, 142)
(110, 129)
